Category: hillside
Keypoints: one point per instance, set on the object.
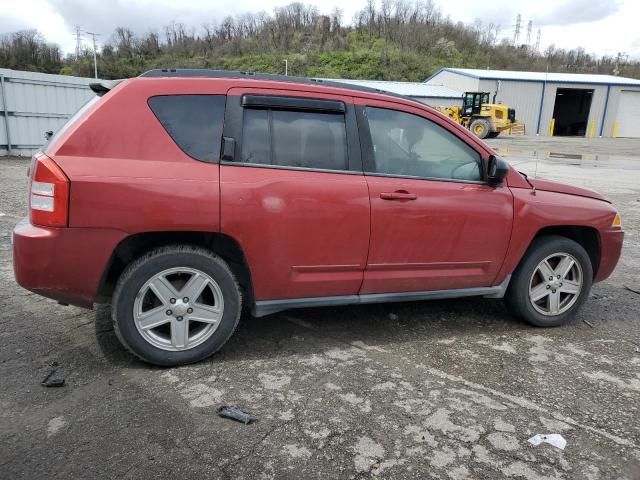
(400, 41)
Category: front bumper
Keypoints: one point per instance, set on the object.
(65, 264)
(610, 250)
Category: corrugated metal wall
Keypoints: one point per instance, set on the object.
(523, 96)
(612, 108)
(462, 83)
(33, 103)
(437, 101)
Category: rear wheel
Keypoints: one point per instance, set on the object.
(176, 305)
(551, 283)
(481, 128)
(493, 134)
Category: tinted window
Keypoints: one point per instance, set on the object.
(256, 146)
(194, 122)
(295, 139)
(406, 144)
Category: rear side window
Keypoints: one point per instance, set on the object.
(290, 138)
(194, 122)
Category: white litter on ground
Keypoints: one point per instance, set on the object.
(554, 439)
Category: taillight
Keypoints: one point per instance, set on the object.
(49, 199)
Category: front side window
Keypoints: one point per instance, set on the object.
(194, 122)
(409, 145)
(315, 140)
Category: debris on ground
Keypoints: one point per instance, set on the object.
(634, 290)
(588, 322)
(235, 413)
(393, 316)
(49, 380)
(554, 439)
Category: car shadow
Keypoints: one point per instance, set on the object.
(322, 329)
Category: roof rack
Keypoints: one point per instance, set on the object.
(207, 73)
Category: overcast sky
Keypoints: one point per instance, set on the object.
(604, 27)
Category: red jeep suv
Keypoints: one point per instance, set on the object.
(186, 196)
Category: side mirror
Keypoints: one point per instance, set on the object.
(497, 170)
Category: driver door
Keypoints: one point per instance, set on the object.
(435, 223)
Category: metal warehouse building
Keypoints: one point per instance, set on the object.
(564, 104)
(33, 103)
(433, 95)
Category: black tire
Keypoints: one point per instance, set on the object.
(481, 128)
(493, 134)
(517, 297)
(144, 268)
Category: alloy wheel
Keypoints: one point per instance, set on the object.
(178, 309)
(555, 284)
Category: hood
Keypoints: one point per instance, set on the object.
(551, 186)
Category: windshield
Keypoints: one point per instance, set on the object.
(69, 122)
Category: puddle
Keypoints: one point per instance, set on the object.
(571, 156)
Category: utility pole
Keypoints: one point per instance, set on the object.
(95, 58)
(538, 41)
(516, 32)
(78, 41)
(286, 67)
(529, 27)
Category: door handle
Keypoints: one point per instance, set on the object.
(398, 195)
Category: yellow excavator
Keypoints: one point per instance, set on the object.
(484, 119)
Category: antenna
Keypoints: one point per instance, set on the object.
(535, 175)
(535, 172)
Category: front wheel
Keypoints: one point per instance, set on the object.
(481, 128)
(176, 305)
(551, 283)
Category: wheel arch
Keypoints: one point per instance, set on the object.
(133, 246)
(587, 237)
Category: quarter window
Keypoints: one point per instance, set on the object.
(194, 122)
(409, 145)
(289, 138)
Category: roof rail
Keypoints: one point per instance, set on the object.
(207, 73)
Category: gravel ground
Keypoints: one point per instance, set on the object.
(442, 389)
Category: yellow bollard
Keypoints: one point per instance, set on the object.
(615, 130)
(552, 127)
(592, 129)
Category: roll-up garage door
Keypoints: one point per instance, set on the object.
(628, 117)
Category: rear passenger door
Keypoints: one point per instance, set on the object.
(293, 193)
